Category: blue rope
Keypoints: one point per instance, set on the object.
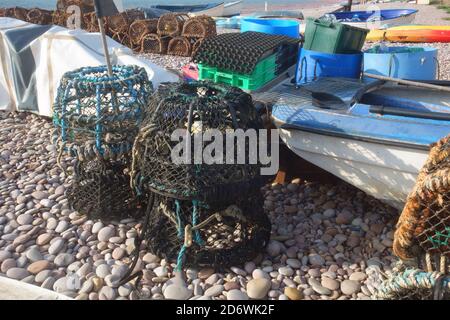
(197, 236)
(180, 259)
(180, 223)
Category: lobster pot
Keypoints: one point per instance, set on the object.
(101, 190)
(40, 16)
(19, 13)
(424, 225)
(190, 110)
(140, 28)
(194, 233)
(179, 46)
(123, 38)
(5, 12)
(97, 116)
(199, 27)
(90, 22)
(171, 24)
(85, 6)
(411, 63)
(120, 23)
(196, 46)
(153, 43)
(59, 18)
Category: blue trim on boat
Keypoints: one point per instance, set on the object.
(387, 14)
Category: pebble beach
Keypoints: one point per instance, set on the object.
(329, 241)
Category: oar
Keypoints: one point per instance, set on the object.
(408, 82)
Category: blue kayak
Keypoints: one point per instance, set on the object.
(362, 16)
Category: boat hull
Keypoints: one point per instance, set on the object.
(213, 10)
(387, 173)
(232, 8)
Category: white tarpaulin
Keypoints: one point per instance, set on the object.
(34, 58)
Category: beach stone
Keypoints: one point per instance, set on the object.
(47, 203)
(34, 254)
(24, 219)
(102, 270)
(39, 195)
(249, 267)
(48, 283)
(177, 292)
(316, 260)
(56, 246)
(63, 259)
(237, 295)
(260, 274)
(21, 239)
(97, 227)
(118, 253)
(98, 283)
(258, 288)
(317, 287)
(8, 264)
(150, 258)
(350, 287)
(87, 286)
(60, 190)
(214, 291)
(4, 255)
(329, 213)
(231, 285)
(105, 234)
(293, 293)
(43, 239)
(344, 217)
(286, 271)
(358, 276)
(107, 293)
(212, 279)
(38, 266)
(273, 248)
(125, 290)
(161, 271)
(62, 226)
(17, 273)
(330, 284)
(294, 263)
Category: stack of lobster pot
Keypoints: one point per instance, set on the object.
(201, 211)
(96, 118)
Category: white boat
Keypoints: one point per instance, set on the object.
(379, 153)
(232, 8)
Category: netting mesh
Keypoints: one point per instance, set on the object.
(199, 27)
(19, 13)
(154, 43)
(179, 46)
(140, 28)
(208, 234)
(90, 22)
(98, 116)
(101, 190)
(40, 16)
(171, 24)
(194, 109)
(425, 220)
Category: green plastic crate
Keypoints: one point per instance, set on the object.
(264, 72)
(331, 37)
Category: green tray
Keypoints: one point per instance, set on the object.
(331, 37)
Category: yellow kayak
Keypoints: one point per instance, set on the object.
(378, 35)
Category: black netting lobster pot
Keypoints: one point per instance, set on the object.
(179, 46)
(96, 115)
(199, 27)
(171, 24)
(101, 190)
(195, 233)
(192, 110)
(40, 16)
(154, 43)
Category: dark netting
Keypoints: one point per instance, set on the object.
(59, 18)
(195, 233)
(171, 24)
(139, 28)
(196, 45)
(153, 43)
(199, 27)
(179, 46)
(97, 116)
(196, 108)
(19, 13)
(90, 22)
(240, 52)
(40, 16)
(124, 39)
(101, 190)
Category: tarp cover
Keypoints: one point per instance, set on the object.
(33, 59)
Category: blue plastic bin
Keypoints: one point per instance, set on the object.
(411, 63)
(314, 64)
(282, 27)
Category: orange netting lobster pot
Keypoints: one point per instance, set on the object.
(40, 16)
(171, 24)
(196, 45)
(199, 27)
(18, 13)
(60, 18)
(179, 46)
(120, 23)
(424, 225)
(139, 28)
(154, 43)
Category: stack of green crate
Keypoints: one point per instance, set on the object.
(264, 72)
